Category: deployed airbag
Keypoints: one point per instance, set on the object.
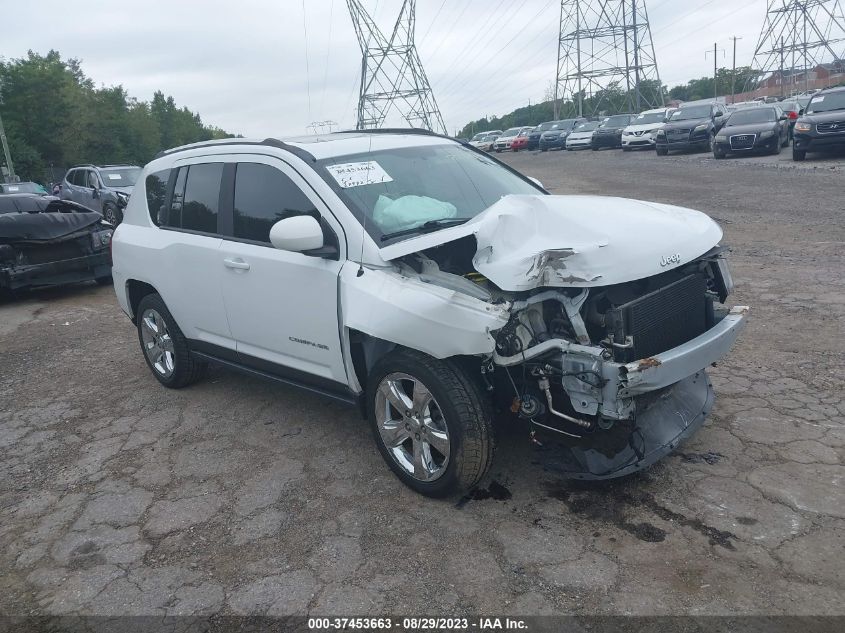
(410, 212)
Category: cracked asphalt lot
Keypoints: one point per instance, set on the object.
(237, 496)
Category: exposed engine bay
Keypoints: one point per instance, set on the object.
(582, 367)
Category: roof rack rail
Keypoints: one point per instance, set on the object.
(392, 130)
(267, 142)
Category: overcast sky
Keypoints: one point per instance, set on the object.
(242, 65)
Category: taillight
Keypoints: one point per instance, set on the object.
(793, 115)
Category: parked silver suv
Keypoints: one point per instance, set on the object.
(105, 189)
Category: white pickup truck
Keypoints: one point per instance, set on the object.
(435, 288)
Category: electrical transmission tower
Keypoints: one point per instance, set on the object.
(605, 48)
(392, 75)
(798, 36)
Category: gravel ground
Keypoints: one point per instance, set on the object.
(236, 496)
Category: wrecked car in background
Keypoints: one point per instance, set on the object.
(45, 241)
(433, 286)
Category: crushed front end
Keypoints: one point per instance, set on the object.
(611, 379)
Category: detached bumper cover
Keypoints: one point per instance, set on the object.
(672, 418)
(670, 395)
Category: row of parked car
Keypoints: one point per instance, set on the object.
(813, 123)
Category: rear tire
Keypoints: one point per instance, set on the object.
(164, 346)
(452, 414)
(798, 154)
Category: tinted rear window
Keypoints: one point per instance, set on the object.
(202, 197)
(263, 196)
(156, 191)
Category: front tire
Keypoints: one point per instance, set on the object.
(430, 423)
(662, 151)
(164, 346)
(798, 154)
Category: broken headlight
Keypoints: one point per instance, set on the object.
(122, 199)
(101, 239)
(722, 278)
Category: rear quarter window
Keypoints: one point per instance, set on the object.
(156, 185)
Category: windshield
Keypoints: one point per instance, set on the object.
(616, 121)
(548, 125)
(22, 187)
(398, 189)
(752, 115)
(120, 176)
(827, 102)
(692, 112)
(646, 118)
(479, 137)
(512, 131)
(587, 127)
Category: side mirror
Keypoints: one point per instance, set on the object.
(536, 182)
(298, 234)
(801, 112)
(783, 117)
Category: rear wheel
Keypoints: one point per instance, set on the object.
(165, 347)
(430, 423)
(798, 154)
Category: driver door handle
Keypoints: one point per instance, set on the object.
(237, 264)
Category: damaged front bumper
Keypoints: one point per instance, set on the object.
(86, 268)
(649, 405)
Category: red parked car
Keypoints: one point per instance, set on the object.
(520, 142)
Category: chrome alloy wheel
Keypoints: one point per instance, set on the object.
(158, 346)
(412, 426)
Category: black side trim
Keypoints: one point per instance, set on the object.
(270, 371)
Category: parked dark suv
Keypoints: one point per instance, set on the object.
(105, 189)
(821, 125)
(692, 126)
(609, 133)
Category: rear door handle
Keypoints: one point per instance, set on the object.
(237, 264)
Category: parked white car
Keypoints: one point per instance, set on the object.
(430, 297)
(643, 130)
(485, 141)
(582, 136)
(504, 142)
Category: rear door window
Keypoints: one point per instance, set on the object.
(263, 196)
(201, 204)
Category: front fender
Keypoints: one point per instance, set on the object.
(418, 315)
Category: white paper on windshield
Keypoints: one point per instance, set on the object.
(114, 176)
(13, 189)
(358, 174)
(818, 99)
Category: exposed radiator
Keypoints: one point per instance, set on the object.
(660, 320)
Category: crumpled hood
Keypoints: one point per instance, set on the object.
(527, 242)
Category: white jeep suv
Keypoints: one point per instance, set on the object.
(434, 287)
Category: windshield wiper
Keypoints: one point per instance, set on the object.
(426, 227)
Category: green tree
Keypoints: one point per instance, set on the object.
(54, 116)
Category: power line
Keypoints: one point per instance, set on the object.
(604, 43)
(392, 75)
(307, 69)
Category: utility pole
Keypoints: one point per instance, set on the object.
(715, 52)
(392, 74)
(811, 32)
(606, 43)
(9, 166)
(733, 72)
